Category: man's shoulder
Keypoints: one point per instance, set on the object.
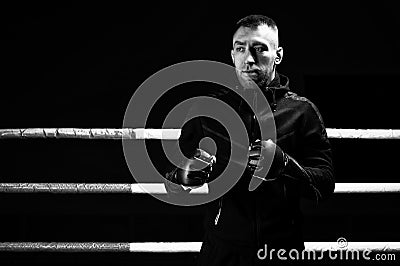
(297, 100)
(295, 97)
(302, 103)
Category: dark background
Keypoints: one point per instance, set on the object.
(78, 65)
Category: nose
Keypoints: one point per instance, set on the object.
(249, 58)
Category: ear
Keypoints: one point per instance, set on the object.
(279, 55)
(233, 58)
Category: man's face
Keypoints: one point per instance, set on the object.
(255, 54)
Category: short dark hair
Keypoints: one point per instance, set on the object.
(253, 21)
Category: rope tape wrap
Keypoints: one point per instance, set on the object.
(65, 246)
(168, 134)
(171, 247)
(64, 188)
(159, 188)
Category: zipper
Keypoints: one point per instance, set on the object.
(253, 139)
(219, 211)
(254, 120)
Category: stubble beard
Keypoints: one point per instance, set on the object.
(248, 83)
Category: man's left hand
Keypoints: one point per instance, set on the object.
(260, 152)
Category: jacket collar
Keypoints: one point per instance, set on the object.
(280, 82)
(276, 89)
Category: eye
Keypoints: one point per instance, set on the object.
(260, 49)
(239, 49)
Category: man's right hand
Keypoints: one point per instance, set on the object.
(195, 171)
(191, 173)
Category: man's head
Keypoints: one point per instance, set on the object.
(256, 50)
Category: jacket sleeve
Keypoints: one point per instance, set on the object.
(312, 169)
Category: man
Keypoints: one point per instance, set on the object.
(243, 221)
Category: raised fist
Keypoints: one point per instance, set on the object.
(195, 171)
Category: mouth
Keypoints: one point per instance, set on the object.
(250, 73)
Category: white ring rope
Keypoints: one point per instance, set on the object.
(168, 134)
(173, 247)
(159, 188)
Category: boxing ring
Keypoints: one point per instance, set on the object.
(158, 188)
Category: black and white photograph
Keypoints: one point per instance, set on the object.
(200, 133)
